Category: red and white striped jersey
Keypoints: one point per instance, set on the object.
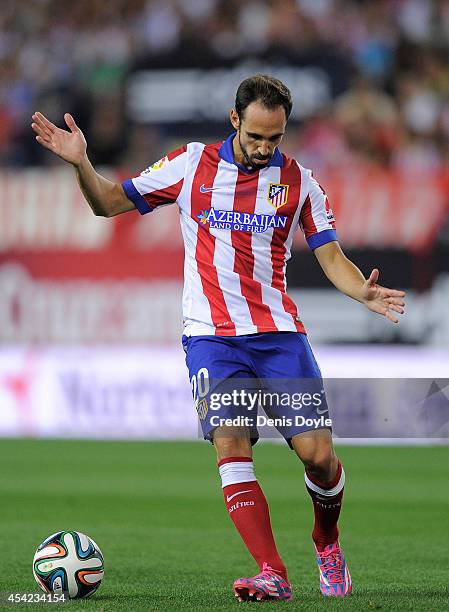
(237, 227)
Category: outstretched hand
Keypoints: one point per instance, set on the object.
(70, 146)
(381, 299)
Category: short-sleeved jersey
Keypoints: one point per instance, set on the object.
(238, 228)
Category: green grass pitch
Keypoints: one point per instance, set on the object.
(155, 509)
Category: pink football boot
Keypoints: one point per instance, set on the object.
(335, 580)
(268, 585)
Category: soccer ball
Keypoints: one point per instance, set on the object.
(68, 562)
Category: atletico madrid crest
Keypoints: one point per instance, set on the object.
(202, 408)
(277, 194)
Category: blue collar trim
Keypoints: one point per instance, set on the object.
(226, 152)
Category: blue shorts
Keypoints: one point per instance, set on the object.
(279, 366)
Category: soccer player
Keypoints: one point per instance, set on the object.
(240, 202)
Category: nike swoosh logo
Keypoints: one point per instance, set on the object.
(229, 497)
(320, 411)
(205, 189)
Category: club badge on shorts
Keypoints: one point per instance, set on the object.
(277, 194)
(202, 408)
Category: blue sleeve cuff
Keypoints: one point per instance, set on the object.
(316, 240)
(139, 201)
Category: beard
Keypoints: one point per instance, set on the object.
(250, 159)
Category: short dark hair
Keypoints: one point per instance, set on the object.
(266, 89)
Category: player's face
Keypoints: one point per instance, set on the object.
(258, 134)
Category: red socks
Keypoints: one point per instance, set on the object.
(326, 500)
(248, 508)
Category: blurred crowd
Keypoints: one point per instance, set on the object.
(388, 60)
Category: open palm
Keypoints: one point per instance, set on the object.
(381, 299)
(70, 146)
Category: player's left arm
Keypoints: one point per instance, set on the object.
(348, 279)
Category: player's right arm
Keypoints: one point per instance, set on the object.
(105, 198)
